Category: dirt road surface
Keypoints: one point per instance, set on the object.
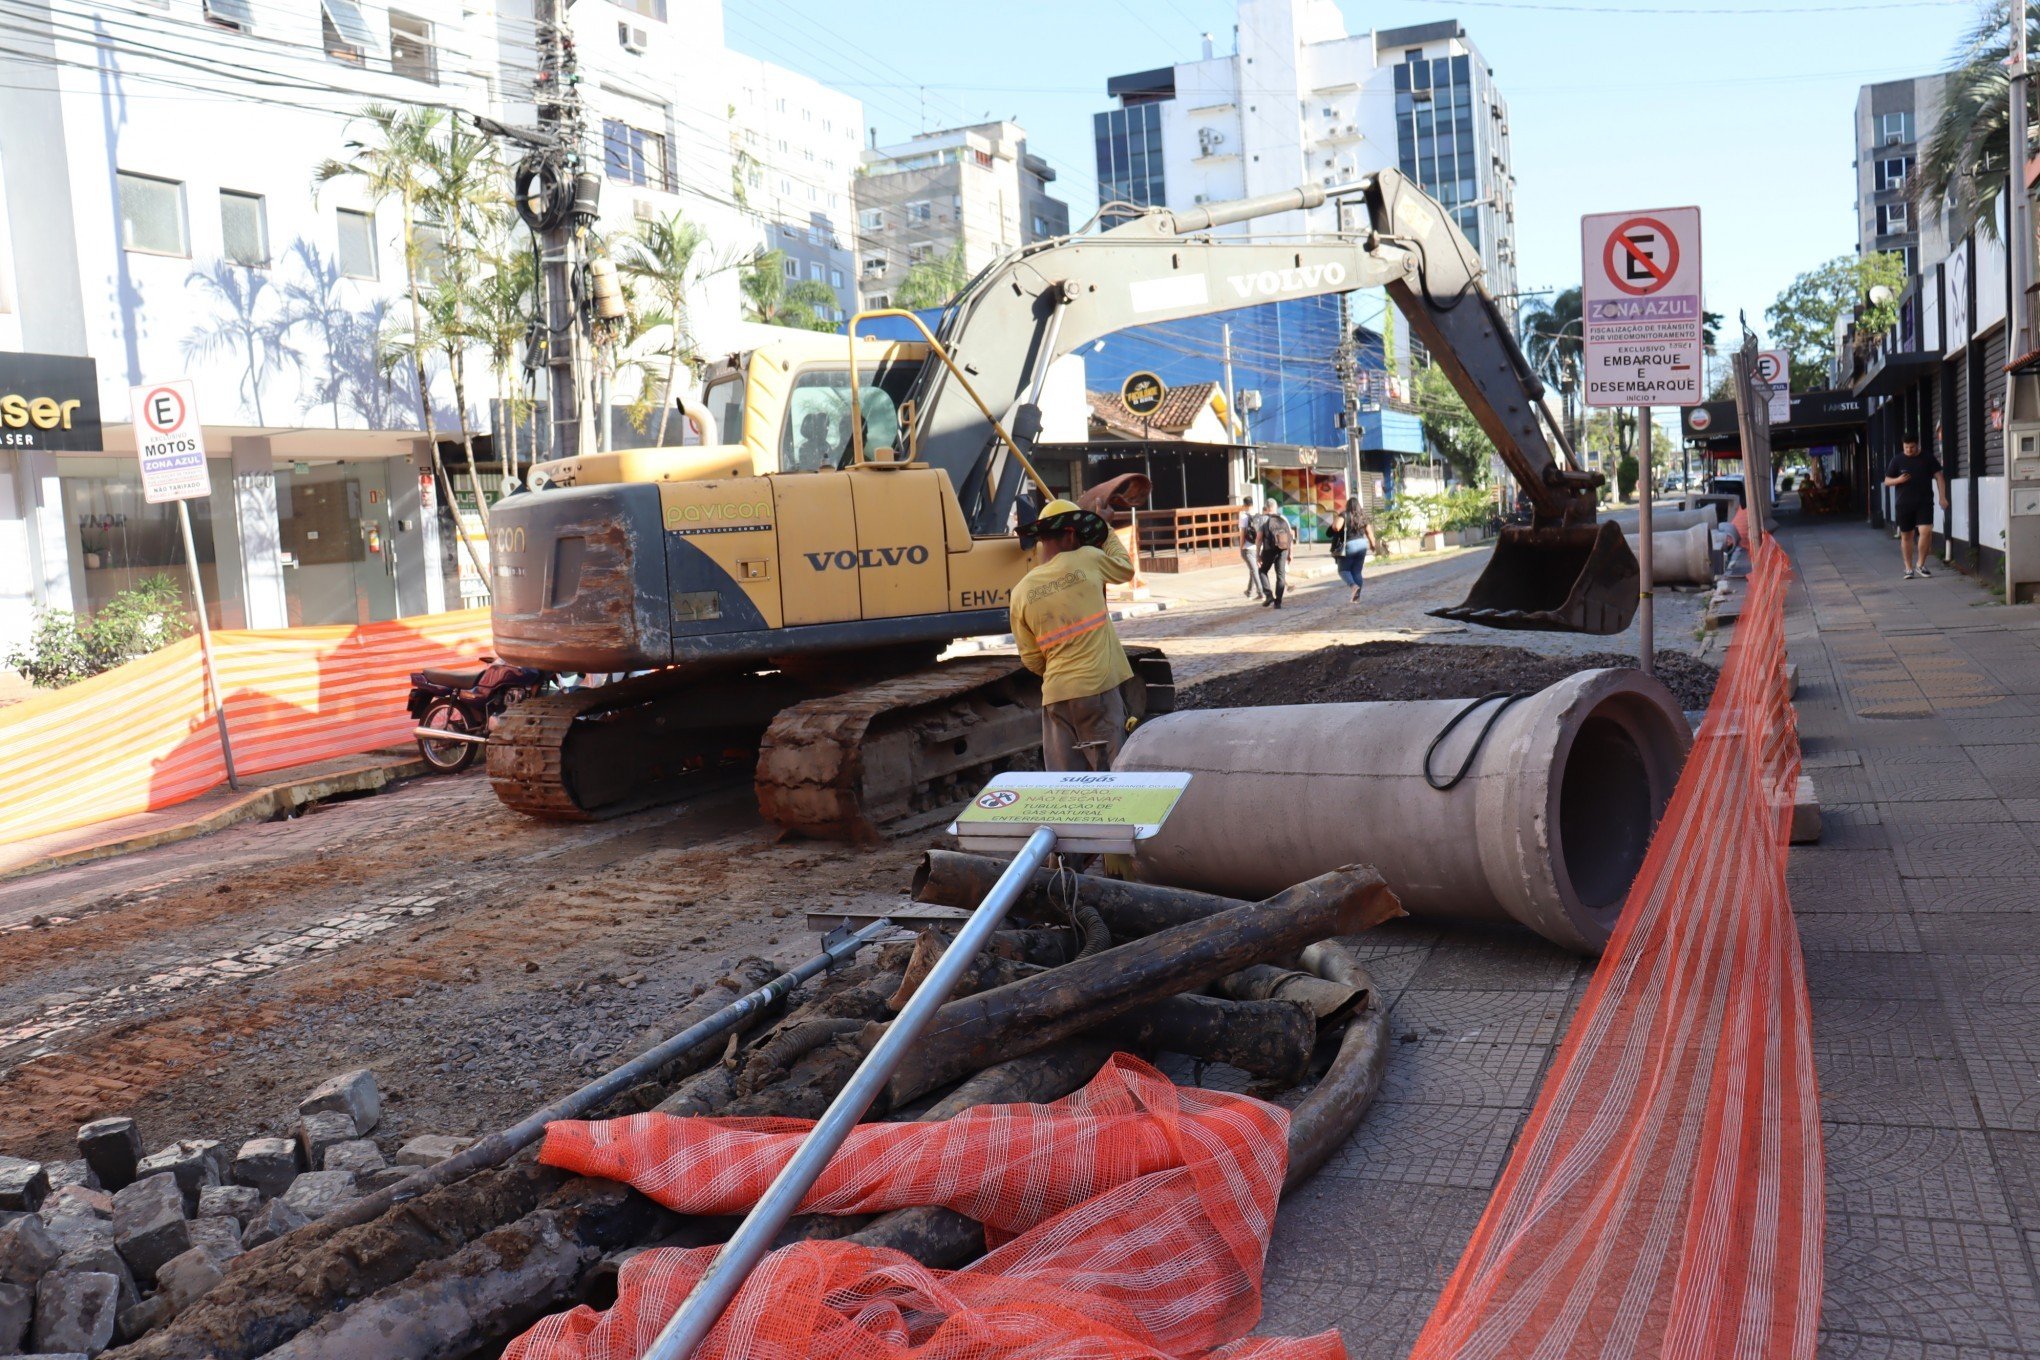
(479, 962)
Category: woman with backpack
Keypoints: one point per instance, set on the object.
(1348, 538)
(1275, 538)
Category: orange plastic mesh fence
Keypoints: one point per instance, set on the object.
(1665, 1198)
(142, 735)
(1129, 1220)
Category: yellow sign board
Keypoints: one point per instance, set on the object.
(1130, 806)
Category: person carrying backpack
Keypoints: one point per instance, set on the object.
(1274, 540)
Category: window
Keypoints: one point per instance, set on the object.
(651, 9)
(817, 430)
(814, 271)
(634, 155)
(983, 159)
(1892, 218)
(921, 253)
(357, 244)
(791, 267)
(871, 219)
(1894, 128)
(874, 265)
(921, 211)
(725, 401)
(412, 55)
(779, 105)
(348, 36)
(430, 242)
(835, 278)
(878, 300)
(1891, 174)
(231, 13)
(244, 232)
(152, 215)
(1040, 225)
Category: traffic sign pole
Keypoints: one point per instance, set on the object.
(212, 673)
(1646, 616)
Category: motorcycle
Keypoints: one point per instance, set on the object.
(459, 705)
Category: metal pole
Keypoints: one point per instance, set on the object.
(2020, 230)
(704, 1306)
(212, 677)
(1646, 618)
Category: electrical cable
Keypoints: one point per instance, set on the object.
(1507, 698)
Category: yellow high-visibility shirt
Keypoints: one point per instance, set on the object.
(1062, 626)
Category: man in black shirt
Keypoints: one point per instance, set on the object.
(1916, 475)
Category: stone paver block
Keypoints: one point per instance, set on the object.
(186, 1278)
(1413, 1144)
(1913, 1172)
(26, 1250)
(238, 1202)
(2007, 1092)
(1471, 1017)
(1873, 932)
(112, 1148)
(77, 1201)
(70, 1233)
(102, 1257)
(1962, 1284)
(1414, 1234)
(353, 1094)
(1969, 895)
(1851, 975)
(1981, 932)
(189, 1162)
(359, 1155)
(268, 1164)
(76, 1172)
(17, 1307)
(76, 1312)
(149, 1225)
(1921, 1092)
(272, 1221)
(138, 1320)
(1441, 1073)
(1498, 966)
(430, 1149)
(320, 1130)
(1375, 1326)
(24, 1185)
(1885, 1029)
(318, 1193)
(221, 1237)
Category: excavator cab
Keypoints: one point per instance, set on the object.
(1571, 578)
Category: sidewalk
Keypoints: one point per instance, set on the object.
(260, 797)
(1919, 915)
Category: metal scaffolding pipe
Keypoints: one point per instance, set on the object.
(1547, 827)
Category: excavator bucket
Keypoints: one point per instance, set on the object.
(1571, 579)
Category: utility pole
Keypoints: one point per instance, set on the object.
(1232, 405)
(1346, 363)
(563, 201)
(2020, 225)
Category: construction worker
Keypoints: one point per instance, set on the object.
(1066, 637)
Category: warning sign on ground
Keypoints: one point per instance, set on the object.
(1073, 803)
(168, 442)
(1641, 307)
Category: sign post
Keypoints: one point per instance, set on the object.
(1641, 322)
(172, 452)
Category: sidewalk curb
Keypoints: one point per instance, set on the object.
(252, 805)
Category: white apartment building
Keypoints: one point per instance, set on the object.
(976, 187)
(161, 220)
(798, 144)
(1894, 119)
(1300, 100)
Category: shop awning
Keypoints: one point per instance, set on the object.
(1890, 374)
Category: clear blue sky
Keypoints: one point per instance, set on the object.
(1622, 106)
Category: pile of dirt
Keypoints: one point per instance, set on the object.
(1373, 671)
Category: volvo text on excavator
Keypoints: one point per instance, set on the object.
(856, 506)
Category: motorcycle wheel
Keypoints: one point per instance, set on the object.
(447, 757)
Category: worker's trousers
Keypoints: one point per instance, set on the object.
(1083, 734)
(1254, 586)
(1275, 576)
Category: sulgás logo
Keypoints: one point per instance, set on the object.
(846, 560)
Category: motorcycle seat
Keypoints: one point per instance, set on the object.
(462, 679)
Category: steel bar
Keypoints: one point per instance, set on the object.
(704, 1305)
(498, 1148)
(441, 734)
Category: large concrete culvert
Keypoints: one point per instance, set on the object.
(1548, 827)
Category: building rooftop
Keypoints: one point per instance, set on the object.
(1180, 408)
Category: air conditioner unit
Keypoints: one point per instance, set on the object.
(631, 39)
(1894, 139)
(643, 210)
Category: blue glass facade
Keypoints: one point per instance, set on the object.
(1438, 120)
(1129, 146)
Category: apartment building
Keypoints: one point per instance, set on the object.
(1894, 119)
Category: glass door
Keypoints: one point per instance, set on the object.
(339, 559)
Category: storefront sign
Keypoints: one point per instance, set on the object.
(168, 442)
(1142, 393)
(49, 402)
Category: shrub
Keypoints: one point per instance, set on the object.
(64, 649)
(1626, 473)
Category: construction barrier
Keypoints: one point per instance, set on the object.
(142, 736)
(1127, 1220)
(1665, 1198)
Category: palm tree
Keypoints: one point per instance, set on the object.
(247, 324)
(503, 305)
(931, 283)
(312, 300)
(394, 157)
(1551, 334)
(773, 298)
(1963, 167)
(464, 204)
(656, 262)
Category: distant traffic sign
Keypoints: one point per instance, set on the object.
(1774, 381)
(1641, 307)
(168, 443)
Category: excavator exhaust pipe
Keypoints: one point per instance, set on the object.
(1562, 579)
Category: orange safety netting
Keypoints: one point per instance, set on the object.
(143, 736)
(1128, 1220)
(1665, 1198)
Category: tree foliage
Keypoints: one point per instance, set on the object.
(657, 264)
(773, 298)
(1450, 428)
(1962, 167)
(63, 649)
(1803, 317)
(1551, 335)
(932, 282)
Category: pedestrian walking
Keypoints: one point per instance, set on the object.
(1249, 554)
(1349, 540)
(1274, 540)
(1065, 635)
(1916, 475)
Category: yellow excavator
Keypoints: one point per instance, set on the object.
(858, 505)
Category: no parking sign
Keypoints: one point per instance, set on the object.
(1641, 307)
(168, 442)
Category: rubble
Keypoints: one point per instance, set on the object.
(318, 1193)
(219, 1238)
(268, 1165)
(359, 1155)
(149, 1226)
(320, 1130)
(76, 1172)
(187, 1277)
(77, 1201)
(191, 1163)
(71, 1232)
(102, 1257)
(430, 1149)
(23, 1184)
(353, 1094)
(26, 1251)
(113, 1149)
(238, 1202)
(76, 1312)
(17, 1308)
(270, 1222)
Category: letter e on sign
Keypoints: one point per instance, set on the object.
(168, 442)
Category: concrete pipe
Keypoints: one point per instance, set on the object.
(1663, 521)
(1680, 556)
(1548, 827)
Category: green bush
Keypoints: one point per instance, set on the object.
(64, 649)
(1396, 520)
(1469, 507)
(1626, 473)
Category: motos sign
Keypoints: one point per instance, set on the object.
(49, 402)
(168, 442)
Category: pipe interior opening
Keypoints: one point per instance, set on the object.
(1604, 813)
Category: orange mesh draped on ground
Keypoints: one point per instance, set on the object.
(142, 735)
(1142, 1212)
(1665, 1198)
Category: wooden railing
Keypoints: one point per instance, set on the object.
(1189, 540)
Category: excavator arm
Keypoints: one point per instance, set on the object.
(1039, 303)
